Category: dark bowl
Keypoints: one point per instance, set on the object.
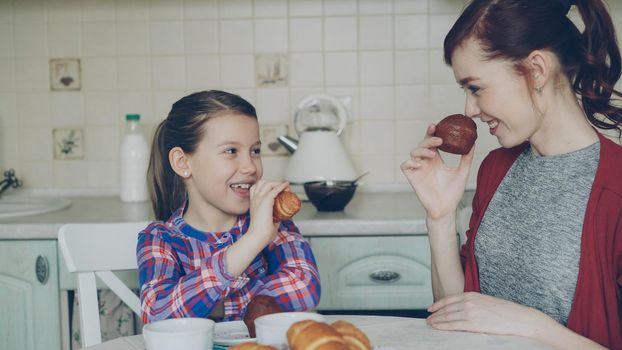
(333, 196)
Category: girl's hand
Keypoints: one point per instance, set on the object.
(438, 186)
(262, 196)
(475, 312)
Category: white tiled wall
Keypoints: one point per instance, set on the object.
(139, 56)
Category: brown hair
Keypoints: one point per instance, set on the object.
(512, 29)
(184, 128)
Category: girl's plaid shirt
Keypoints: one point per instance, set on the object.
(183, 271)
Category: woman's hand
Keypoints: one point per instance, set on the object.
(438, 186)
(475, 312)
(262, 196)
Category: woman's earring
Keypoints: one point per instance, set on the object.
(538, 89)
(185, 174)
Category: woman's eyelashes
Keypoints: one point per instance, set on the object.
(233, 151)
(473, 89)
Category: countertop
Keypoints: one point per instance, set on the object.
(368, 213)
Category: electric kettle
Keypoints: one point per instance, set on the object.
(319, 155)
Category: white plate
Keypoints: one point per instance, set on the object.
(231, 333)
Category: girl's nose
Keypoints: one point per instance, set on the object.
(471, 109)
(247, 166)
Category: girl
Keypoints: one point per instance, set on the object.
(214, 244)
(543, 256)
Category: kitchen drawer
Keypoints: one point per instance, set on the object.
(379, 272)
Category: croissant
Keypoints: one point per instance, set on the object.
(252, 346)
(313, 335)
(286, 205)
(356, 339)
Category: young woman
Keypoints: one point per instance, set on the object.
(214, 245)
(543, 256)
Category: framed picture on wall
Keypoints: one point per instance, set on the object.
(65, 74)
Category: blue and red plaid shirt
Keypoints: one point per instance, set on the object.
(183, 271)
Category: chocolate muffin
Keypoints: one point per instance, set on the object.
(259, 306)
(458, 133)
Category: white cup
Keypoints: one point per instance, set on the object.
(272, 329)
(179, 333)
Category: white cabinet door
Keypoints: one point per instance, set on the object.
(381, 272)
(29, 297)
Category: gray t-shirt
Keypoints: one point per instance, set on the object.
(528, 244)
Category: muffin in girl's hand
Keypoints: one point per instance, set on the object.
(286, 205)
(458, 133)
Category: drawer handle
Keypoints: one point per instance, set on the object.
(384, 276)
(42, 268)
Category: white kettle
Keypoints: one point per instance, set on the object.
(319, 155)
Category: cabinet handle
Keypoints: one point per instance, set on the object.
(42, 269)
(384, 276)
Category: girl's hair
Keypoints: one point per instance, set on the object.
(512, 29)
(184, 128)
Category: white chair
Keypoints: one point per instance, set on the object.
(96, 250)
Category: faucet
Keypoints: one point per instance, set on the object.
(9, 181)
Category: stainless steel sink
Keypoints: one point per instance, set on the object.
(19, 205)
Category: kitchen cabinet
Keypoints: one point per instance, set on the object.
(374, 272)
(29, 295)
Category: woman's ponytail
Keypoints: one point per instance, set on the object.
(600, 67)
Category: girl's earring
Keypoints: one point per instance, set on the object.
(185, 174)
(538, 89)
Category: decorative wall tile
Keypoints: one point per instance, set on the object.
(65, 74)
(68, 143)
(271, 70)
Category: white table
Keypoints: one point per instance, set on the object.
(391, 333)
